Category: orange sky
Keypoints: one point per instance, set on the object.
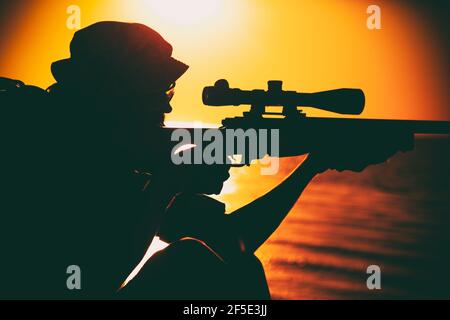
(310, 45)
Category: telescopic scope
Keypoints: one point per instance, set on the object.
(343, 101)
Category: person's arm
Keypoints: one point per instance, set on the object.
(256, 221)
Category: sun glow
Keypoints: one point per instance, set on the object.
(182, 12)
(310, 45)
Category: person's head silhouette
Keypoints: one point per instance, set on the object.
(121, 75)
(118, 57)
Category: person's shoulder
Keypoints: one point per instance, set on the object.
(188, 251)
(23, 105)
(186, 269)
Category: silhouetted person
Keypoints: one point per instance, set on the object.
(71, 194)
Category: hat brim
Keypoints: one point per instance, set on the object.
(177, 69)
(171, 71)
